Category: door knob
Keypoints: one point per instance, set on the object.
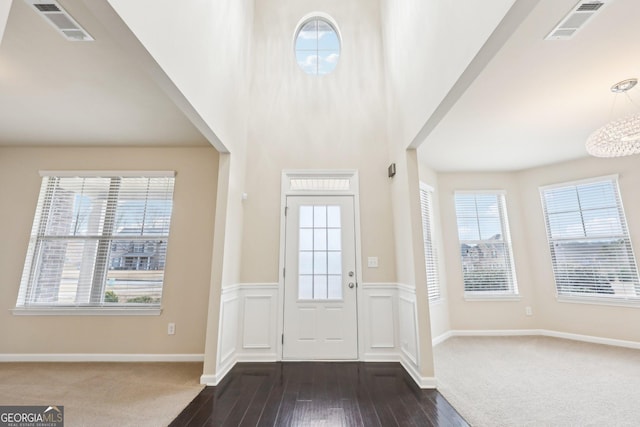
(351, 285)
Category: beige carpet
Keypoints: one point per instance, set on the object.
(104, 394)
(539, 381)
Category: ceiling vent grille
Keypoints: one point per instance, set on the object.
(59, 19)
(576, 19)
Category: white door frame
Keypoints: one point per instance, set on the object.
(349, 187)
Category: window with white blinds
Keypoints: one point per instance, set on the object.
(430, 254)
(590, 247)
(485, 244)
(98, 241)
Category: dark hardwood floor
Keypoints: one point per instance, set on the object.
(318, 394)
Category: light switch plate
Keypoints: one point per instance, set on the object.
(372, 262)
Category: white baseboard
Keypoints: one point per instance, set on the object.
(76, 357)
(214, 379)
(591, 339)
(441, 338)
(422, 382)
(381, 357)
(535, 332)
(258, 357)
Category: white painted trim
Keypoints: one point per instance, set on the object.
(494, 332)
(441, 338)
(210, 380)
(257, 357)
(223, 370)
(591, 339)
(257, 286)
(591, 180)
(106, 357)
(422, 382)
(108, 173)
(85, 311)
(600, 300)
(381, 357)
(494, 297)
(536, 332)
(354, 191)
(378, 286)
(406, 288)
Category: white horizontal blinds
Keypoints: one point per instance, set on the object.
(485, 244)
(430, 256)
(98, 241)
(589, 241)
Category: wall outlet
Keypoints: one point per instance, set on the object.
(171, 329)
(528, 311)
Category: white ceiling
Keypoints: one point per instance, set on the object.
(56, 92)
(537, 101)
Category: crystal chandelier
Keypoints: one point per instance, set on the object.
(619, 137)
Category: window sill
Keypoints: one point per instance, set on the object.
(86, 311)
(492, 297)
(618, 302)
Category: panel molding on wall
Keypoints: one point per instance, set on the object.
(388, 319)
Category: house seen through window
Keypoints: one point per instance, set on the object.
(98, 241)
(485, 244)
(589, 242)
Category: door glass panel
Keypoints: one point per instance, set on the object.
(306, 263)
(333, 216)
(319, 239)
(306, 239)
(334, 263)
(305, 287)
(333, 239)
(306, 216)
(320, 253)
(320, 262)
(320, 287)
(335, 287)
(319, 216)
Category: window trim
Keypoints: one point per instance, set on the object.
(512, 294)
(86, 309)
(592, 299)
(304, 21)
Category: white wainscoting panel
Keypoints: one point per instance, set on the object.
(259, 320)
(249, 325)
(378, 328)
(228, 332)
(257, 325)
(408, 327)
(382, 323)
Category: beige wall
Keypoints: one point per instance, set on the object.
(531, 252)
(603, 321)
(188, 267)
(298, 121)
(485, 314)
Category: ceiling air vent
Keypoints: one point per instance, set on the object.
(59, 19)
(576, 19)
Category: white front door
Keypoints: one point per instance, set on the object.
(320, 288)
